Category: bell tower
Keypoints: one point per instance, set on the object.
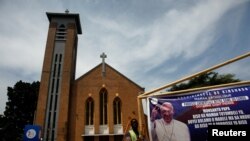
(58, 75)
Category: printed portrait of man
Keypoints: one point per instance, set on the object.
(167, 128)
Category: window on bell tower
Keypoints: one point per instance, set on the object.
(103, 107)
(61, 32)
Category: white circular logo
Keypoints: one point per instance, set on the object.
(154, 101)
(31, 133)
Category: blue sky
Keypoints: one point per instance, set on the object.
(152, 42)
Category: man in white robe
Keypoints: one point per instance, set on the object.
(167, 128)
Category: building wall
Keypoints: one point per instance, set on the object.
(68, 65)
(70, 124)
(89, 86)
(45, 77)
(66, 77)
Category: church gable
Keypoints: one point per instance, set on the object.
(111, 75)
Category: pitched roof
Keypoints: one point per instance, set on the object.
(99, 65)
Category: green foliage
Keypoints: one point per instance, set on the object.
(208, 79)
(19, 111)
(5, 129)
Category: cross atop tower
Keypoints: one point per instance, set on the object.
(103, 56)
(67, 11)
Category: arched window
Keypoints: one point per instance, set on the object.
(103, 107)
(62, 28)
(61, 32)
(89, 111)
(117, 110)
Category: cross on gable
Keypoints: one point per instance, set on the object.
(103, 56)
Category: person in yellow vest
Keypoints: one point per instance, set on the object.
(133, 134)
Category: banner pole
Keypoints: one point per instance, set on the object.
(196, 74)
(142, 120)
(139, 114)
(198, 89)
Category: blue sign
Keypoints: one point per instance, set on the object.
(32, 133)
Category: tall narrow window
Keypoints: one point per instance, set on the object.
(54, 93)
(103, 107)
(89, 111)
(117, 110)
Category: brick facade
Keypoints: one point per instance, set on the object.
(89, 85)
(71, 112)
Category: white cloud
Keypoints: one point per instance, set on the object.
(183, 33)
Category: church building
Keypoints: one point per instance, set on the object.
(97, 106)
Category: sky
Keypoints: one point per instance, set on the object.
(152, 42)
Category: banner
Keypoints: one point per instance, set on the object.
(187, 117)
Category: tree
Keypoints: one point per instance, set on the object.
(4, 129)
(20, 108)
(207, 79)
